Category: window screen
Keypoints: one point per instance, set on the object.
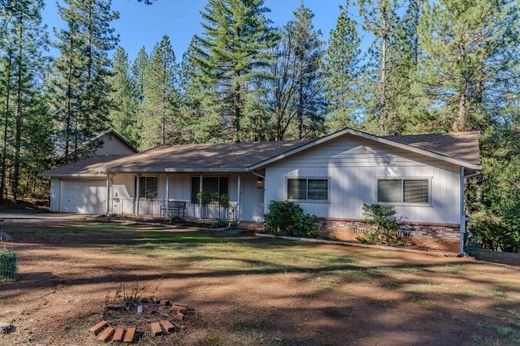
(389, 191)
(297, 188)
(403, 191)
(415, 191)
(318, 189)
(308, 189)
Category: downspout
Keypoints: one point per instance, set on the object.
(108, 195)
(462, 213)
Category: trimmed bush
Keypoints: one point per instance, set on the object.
(8, 262)
(383, 229)
(288, 218)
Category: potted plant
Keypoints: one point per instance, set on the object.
(223, 202)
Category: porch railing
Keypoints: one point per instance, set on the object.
(158, 207)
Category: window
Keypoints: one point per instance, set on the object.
(218, 185)
(412, 191)
(148, 187)
(308, 189)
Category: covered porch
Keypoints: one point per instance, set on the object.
(233, 197)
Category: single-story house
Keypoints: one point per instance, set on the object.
(331, 177)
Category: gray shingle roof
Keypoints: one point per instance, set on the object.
(457, 145)
(234, 157)
(92, 166)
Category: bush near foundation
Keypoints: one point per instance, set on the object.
(383, 229)
(288, 218)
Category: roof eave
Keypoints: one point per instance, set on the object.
(178, 170)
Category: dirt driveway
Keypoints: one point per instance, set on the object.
(251, 291)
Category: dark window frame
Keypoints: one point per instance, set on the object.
(143, 184)
(219, 184)
(402, 202)
(307, 199)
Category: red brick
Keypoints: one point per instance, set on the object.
(164, 302)
(106, 334)
(118, 335)
(180, 305)
(129, 335)
(167, 325)
(99, 327)
(179, 316)
(156, 328)
(176, 309)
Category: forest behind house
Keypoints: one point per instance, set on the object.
(432, 66)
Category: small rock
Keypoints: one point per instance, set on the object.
(6, 328)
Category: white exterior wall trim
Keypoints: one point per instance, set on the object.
(369, 137)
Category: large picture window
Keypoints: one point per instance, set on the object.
(217, 185)
(308, 189)
(409, 191)
(148, 187)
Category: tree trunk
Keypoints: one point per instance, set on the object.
(384, 50)
(18, 126)
(6, 124)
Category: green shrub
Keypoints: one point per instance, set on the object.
(288, 218)
(383, 229)
(8, 262)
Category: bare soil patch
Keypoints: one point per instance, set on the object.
(247, 290)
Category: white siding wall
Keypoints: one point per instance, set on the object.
(112, 145)
(353, 166)
(123, 195)
(55, 194)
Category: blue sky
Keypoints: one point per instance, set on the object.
(140, 24)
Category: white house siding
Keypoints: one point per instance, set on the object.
(353, 165)
(55, 195)
(112, 145)
(122, 191)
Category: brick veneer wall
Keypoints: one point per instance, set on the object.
(435, 236)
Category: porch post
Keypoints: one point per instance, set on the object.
(137, 197)
(108, 195)
(200, 190)
(238, 199)
(167, 187)
(462, 214)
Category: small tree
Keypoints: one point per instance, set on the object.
(383, 228)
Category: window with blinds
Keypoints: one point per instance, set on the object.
(409, 191)
(308, 189)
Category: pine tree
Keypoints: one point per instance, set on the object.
(380, 19)
(159, 108)
(470, 50)
(138, 69)
(341, 67)
(233, 53)
(29, 38)
(81, 74)
(308, 52)
(123, 97)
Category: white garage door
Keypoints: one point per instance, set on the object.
(83, 196)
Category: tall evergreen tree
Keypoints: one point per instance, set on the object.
(80, 80)
(159, 108)
(341, 67)
(380, 19)
(232, 54)
(308, 52)
(123, 97)
(26, 64)
(138, 69)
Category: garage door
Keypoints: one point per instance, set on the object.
(83, 196)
